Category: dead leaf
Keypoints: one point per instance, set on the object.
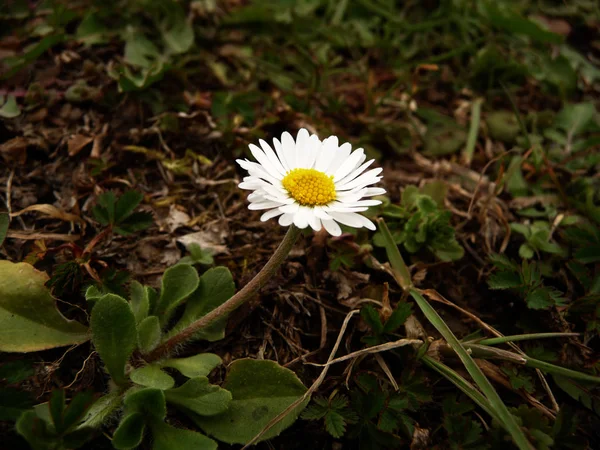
(177, 218)
(51, 211)
(212, 240)
(77, 143)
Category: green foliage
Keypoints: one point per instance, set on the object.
(334, 411)
(419, 222)
(519, 379)
(200, 397)
(118, 214)
(152, 376)
(525, 280)
(9, 108)
(56, 426)
(383, 415)
(149, 334)
(197, 256)
(114, 334)
(178, 283)
(537, 239)
(463, 431)
(370, 315)
(30, 320)
(194, 366)
(260, 390)
(216, 286)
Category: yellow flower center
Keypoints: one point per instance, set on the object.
(309, 187)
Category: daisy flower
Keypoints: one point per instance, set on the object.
(309, 182)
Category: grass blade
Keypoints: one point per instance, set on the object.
(399, 269)
(462, 384)
(496, 404)
(473, 131)
(522, 337)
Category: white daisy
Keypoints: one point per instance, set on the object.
(311, 182)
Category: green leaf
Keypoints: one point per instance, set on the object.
(505, 280)
(56, 407)
(526, 251)
(137, 221)
(29, 320)
(10, 109)
(335, 424)
(13, 403)
(194, 366)
(16, 371)
(130, 432)
(543, 298)
(178, 283)
(149, 334)
(100, 410)
(148, 401)
(140, 303)
(371, 316)
(126, 204)
(512, 22)
(261, 390)
(166, 437)
(401, 313)
(215, 288)
(91, 30)
(152, 376)
(575, 118)
(36, 432)
(114, 334)
(176, 30)
(199, 396)
(4, 222)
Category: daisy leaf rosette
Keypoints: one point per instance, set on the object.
(309, 182)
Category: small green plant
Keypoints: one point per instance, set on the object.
(526, 280)
(463, 431)
(384, 415)
(55, 425)
(537, 239)
(420, 222)
(334, 411)
(381, 330)
(117, 213)
(134, 339)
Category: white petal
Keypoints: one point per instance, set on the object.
(350, 219)
(281, 154)
(370, 192)
(260, 156)
(326, 154)
(362, 203)
(302, 148)
(321, 214)
(332, 227)
(349, 165)
(356, 172)
(341, 155)
(270, 214)
(263, 205)
(289, 149)
(272, 156)
(315, 222)
(286, 220)
(301, 217)
(314, 144)
(365, 179)
(290, 209)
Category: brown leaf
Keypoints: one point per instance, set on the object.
(77, 142)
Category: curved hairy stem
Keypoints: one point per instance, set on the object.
(234, 302)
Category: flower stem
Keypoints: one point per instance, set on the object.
(242, 296)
